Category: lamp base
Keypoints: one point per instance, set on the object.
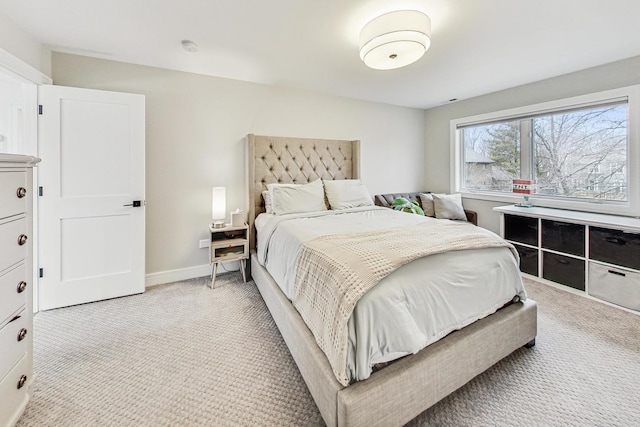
(218, 224)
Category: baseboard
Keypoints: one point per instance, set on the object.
(169, 276)
(582, 294)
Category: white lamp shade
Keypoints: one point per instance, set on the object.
(218, 203)
(395, 39)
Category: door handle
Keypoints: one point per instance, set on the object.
(135, 204)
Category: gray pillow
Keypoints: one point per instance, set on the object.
(426, 199)
(448, 206)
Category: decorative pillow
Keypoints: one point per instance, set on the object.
(426, 199)
(448, 206)
(346, 193)
(268, 204)
(297, 198)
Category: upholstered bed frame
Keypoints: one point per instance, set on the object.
(399, 392)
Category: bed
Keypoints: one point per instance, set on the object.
(403, 389)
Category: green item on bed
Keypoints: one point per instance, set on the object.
(406, 205)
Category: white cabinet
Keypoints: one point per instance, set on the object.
(16, 285)
(592, 253)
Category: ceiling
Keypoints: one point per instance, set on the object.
(478, 46)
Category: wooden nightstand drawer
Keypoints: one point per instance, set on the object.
(230, 251)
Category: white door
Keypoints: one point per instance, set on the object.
(91, 236)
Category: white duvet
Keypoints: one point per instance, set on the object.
(414, 306)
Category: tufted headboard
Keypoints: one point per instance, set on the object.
(273, 159)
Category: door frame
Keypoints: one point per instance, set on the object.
(15, 68)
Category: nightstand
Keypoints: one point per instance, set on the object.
(229, 244)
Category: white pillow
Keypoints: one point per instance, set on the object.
(346, 193)
(426, 200)
(297, 198)
(268, 204)
(448, 206)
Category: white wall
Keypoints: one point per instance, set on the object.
(12, 110)
(22, 45)
(195, 130)
(24, 63)
(437, 138)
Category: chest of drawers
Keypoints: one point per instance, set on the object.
(16, 285)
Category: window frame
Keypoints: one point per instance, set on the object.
(631, 207)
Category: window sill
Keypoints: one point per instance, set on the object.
(619, 209)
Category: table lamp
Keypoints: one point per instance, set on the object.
(218, 206)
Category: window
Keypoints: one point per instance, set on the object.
(577, 151)
(491, 156)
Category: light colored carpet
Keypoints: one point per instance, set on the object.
(183, 355)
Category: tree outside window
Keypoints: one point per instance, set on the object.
(579, 153)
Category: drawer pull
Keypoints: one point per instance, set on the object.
(22, 334)
(22, 381)
(617, 273)
(21, 287)
(21, 192)
(22, 239)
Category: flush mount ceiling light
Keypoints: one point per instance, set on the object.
(189, 46)
(395, 39)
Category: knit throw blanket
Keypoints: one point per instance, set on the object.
(333, 272)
